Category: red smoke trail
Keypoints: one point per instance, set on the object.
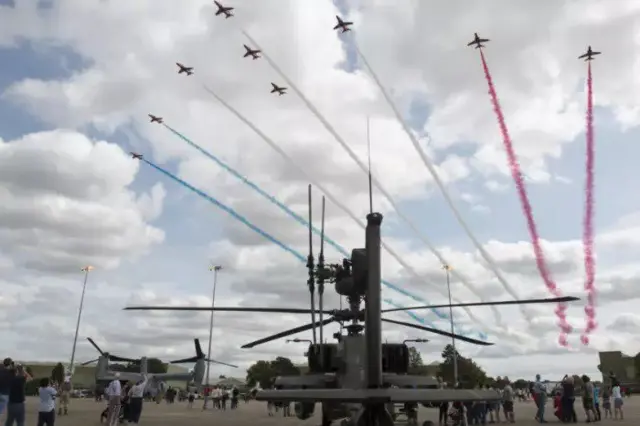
(526, 205)
(587, 236)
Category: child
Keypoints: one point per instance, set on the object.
(47, 406)
(617, 402)
(606, 402)
(557, 406)
(596, 403)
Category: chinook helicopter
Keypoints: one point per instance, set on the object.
(358, 377)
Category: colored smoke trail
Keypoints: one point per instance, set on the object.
(377, 183)
(341, 206)
(245, 221)
(516, 173)
(299, 219)
(229, 210)
(587, 236)
(448, 199)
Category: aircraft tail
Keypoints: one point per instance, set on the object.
(199, 370)
(102, 367)
(143, 365)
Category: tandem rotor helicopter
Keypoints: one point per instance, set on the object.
(357, 378)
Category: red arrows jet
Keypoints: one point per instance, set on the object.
(279, 90)
(224, 10)
(477, 41)
(344, 26)
(183, 69)
(155, 119)
(136, 156)
(589, 56)
(250, 52)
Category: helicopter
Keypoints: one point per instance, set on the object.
(357, 378)
(104, 375)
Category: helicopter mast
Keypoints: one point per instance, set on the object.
(310, 266)
(320, 273)
(373, 323)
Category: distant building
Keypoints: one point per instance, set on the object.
(229, 382)
(623, 366)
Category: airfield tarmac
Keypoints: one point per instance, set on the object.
(86, 412)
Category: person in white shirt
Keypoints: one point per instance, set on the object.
(617, 402)
(47, 405)
(114, 395)
(137, 394)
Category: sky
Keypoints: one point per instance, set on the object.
(80, 77)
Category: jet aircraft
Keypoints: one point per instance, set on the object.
(589, 56)
(136, 155)
(251, 52)
(279, 90)
(155, 119)
(188, 70)
(224, 10)
(477, 41)
(344, 26)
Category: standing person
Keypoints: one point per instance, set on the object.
(113, 392)
(596, 402)
(606, 402)
(6, 374)
(135, 403)
(568, 400)
(47, 405)
(16, 409)
(540, 397)
(65, 394)
(587, 399)
(617, 402)
(444, 406)
(507, 401)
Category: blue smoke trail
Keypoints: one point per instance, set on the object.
(291, 213)
(253, 227)
(229, 210)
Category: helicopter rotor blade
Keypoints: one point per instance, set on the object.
(185, 360)
(496, 303)
(90, 362)
(289, 332)
(220, 362)
(440, 332)
(95, 345)
(223, 309)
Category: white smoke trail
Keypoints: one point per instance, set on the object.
(375, 181)
(333, 199)
(487, 257)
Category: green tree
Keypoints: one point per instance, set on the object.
(415, 358)
(264, 372)
(260, 373)
(57, 374)
(222, 376)
(521, 384)
(155, 366)
(469, 373)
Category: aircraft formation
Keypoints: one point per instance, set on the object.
(357, 279)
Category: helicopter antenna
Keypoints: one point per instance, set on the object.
(370, 178)
(320, 274)
(310, 266)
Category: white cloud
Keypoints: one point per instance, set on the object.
(69, 200)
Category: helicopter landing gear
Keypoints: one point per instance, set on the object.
(374, 415)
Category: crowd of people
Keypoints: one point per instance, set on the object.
(13, 381)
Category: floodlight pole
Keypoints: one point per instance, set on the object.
(447, 269)
(86, 270)
(215, 270)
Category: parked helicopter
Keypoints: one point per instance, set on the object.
(358, 377)
(196, 375)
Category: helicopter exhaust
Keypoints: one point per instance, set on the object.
(320, 274)
(310, 266)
